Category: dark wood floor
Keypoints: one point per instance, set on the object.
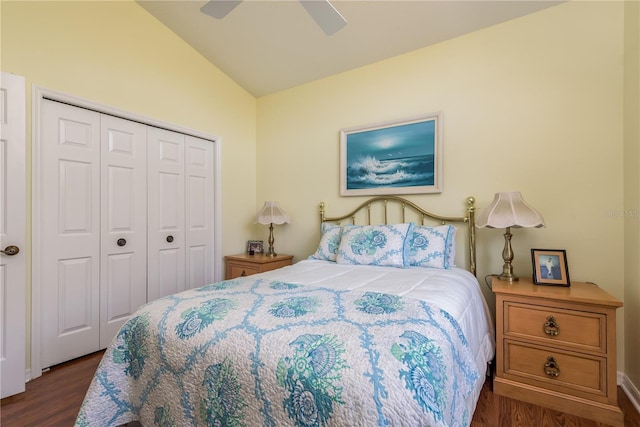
(54, 400)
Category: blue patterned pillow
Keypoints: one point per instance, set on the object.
(451, 248)
(432, 246)
(329, 241)
(374, 244)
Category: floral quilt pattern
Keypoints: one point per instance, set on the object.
(248, 352)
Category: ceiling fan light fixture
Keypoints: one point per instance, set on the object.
(322, 11)
(219, 8)
(326, 16)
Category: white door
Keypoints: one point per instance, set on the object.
(12, 233)
(199, 160)
(166, 240)
(70, 189)
(110, 224)
(123, 268)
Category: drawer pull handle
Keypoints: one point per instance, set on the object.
(551, 368)
(244, 273)
(551, 327)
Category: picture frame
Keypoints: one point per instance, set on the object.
(550, 267)
(254, 247)
(394, 157)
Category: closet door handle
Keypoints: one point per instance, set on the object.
(121, 242)
(169, 239)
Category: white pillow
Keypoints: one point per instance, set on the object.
(431, 246)
(329, 241)
(374, 244)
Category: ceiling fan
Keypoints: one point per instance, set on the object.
(322, 11)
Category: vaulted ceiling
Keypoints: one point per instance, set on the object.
(267, 46)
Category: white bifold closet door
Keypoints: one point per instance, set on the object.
(123, 212)
(180, 212)
(94, 200)
(128, 214)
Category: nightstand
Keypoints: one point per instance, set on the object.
(245, 264)
(556, 347)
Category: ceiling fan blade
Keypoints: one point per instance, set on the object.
(219, 8)
(325, 15)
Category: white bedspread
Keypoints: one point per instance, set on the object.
(313, 344)
(454, 290)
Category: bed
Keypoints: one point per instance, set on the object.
(378, 327)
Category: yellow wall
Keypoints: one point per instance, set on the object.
(116, 54)
(533, 105)
(632, 190)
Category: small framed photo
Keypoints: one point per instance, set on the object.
(550, 267)
(254, 247)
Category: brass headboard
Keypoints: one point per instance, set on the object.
(420, 213)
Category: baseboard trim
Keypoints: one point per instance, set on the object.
(629, 389)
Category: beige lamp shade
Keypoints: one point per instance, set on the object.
(271, 213)
(509, 210)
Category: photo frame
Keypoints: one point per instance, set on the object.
(254, 247)
(550, 267)
(394, 157)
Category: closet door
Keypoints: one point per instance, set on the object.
(123, 269)
(70, 189)
(199, 158)
(166, 205)
(125, 216)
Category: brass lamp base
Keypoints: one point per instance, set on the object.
(271, 252)
(508, 278)
(507, 255)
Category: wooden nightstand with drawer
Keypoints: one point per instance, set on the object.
(556, 347)
(246, 265)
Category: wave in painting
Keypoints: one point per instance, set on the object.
(369, 172)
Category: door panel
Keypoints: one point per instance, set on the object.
(12, 232)
(166, 201)
(119, 285)
(198, 266)
(74, 295)
(70, 208)
(75, 202)
(199, 215)
(123, 224)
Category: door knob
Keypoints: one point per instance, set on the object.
(121, 242)
(10, 250)
(169, 239)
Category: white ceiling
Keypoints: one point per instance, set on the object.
(267, 46)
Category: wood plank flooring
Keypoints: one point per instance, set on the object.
(53, 400)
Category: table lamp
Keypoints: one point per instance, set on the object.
(271, 213)
(509, 210)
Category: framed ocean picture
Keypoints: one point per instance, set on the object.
(395, 157)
